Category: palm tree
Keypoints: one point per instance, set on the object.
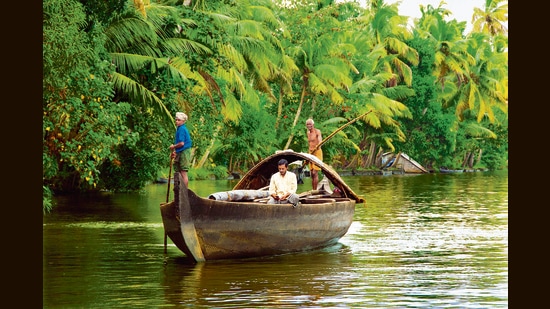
(250, 56)
(486, 87)
(383, 60)
(139, 39)
(471, 71)
(372, 93)
(321, 56)
(474, 132)
(387, 29)
(451, 58)
(492, 18)
(371, 53)
(472, 74)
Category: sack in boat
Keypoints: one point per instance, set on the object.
(239, 195)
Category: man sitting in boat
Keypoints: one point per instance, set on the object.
(283, 186)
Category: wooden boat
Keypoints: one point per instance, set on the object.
(243, 225)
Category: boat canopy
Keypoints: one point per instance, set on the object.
(259, 176)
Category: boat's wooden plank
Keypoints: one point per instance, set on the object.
(187, 226)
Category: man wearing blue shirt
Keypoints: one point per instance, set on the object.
(181, 149)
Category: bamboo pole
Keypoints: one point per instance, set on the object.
(167, 198)
(334, 133)
(338, 130)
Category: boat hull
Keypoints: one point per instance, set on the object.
(227, 230)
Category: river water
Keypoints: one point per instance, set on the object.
(419, 241)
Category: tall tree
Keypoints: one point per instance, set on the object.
(322, 58)
(486, 86)
(471, 73)
(252, 52)
(250, 57)
(491, 19)
(147, 36)
(383, 59)
(387, 29)
(82, 125)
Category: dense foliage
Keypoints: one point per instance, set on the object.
(82, 126)
(250, 72)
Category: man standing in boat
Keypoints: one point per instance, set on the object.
(283, 186)
(181, 149)
(314, 138)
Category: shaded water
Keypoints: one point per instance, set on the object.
(420, 241)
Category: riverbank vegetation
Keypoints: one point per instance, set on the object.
(248, 73)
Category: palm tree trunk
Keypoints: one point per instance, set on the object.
(279, 108)
(370, 156)
(378, 159)
(298, 111)
(471, 161)
(479, 156)
(353, 162)
(205, 155)
(207, 152)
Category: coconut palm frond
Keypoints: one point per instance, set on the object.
(178, 46)
(403, 50)
(128, 33)
(335, 75)
(393, 108)
(398, 92)
(127, 63)
(316, 84)
(232, 110)
(364, 85)
(402, 70)
(141, 95)
(475, 129)
(264, 14)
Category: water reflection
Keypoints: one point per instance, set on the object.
(282, 281)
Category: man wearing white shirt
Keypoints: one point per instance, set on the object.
(283, 186)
